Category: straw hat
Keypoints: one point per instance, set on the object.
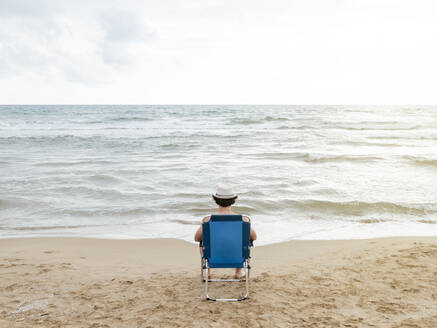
(224, 193)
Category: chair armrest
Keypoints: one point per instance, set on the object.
(248, 217)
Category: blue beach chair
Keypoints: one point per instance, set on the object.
(226, 242)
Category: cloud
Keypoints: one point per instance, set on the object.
(121, 29)
(218, 51)
(46, 39)
(27, 8)
(123, 26)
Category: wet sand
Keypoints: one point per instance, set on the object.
(79, 282)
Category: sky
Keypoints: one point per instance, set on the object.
(218, 52)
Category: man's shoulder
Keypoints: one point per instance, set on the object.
(246, 218)
(206, 218)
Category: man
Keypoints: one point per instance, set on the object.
(225, 198)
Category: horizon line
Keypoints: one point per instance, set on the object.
(206, 104)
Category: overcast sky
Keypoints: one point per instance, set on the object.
(218, 52)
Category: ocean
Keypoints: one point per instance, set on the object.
(300, 172)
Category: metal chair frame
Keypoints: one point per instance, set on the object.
(204, 269)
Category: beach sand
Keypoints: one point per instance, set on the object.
(79, 282)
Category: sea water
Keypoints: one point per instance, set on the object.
(301, 172)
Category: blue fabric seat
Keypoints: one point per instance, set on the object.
(226, 241)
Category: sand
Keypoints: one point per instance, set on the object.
(78, 282)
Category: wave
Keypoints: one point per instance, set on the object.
(186, 222)
(104, 178)
(366, 143)
(421, 161)
(249, 121)
(244, 209)
(299, 127)
(11, 203)
(377, 122)
(48, 140)
(372, 128)
(402, 137)
(322, 158)
(373, 220)
(181, 145)
(207, 134)
(244, 121)
(102, 140)
(361, 208)
(40, 138)
(19, 203)
(427, 221)
(305, 182)
(106, 212)
(7, 203)
(74, 163)
(326, 191)
(132, 118)
(350, 208)
(200, 207)
(34, 228)
(275, 119)
(315, 158)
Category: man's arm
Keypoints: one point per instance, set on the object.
(252, 232)
(198, 236)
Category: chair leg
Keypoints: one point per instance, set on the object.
(208, 298)
(206, 280)
(246, 266)
(202, 264)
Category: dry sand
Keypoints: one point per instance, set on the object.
(77, 282)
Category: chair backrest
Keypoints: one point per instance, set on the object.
(226, 241)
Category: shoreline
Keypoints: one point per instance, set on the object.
(258, 242)
(93, 282)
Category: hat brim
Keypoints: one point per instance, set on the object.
(220, 196)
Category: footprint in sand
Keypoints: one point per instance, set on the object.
(66, 266)
(11, 287)
(13, 259)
